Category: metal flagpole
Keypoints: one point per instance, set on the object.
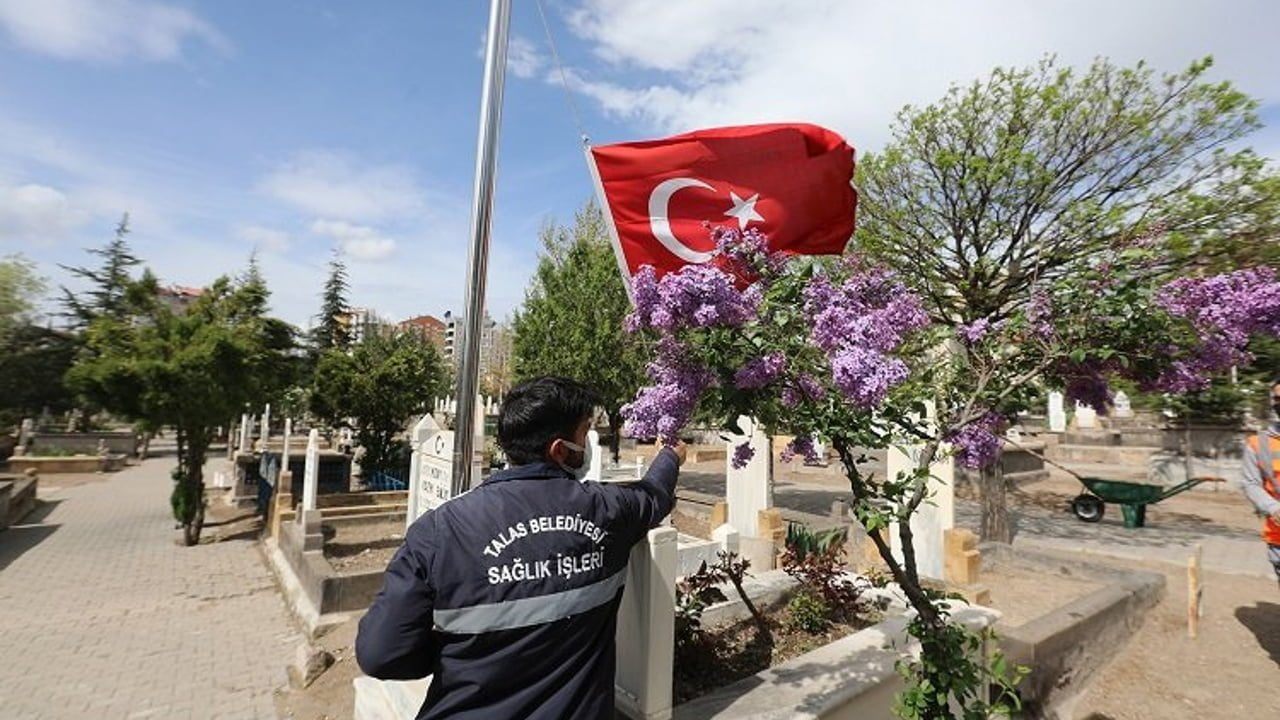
(495, 65)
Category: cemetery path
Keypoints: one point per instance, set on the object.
(104, 615)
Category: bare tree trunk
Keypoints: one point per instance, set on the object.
(995, 507)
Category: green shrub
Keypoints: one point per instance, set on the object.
(808, 612)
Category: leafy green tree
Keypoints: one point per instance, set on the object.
(1030, 175)
(109, 283)
(189, 370)
(20, 288)
(33, 362)
(376, 388)
(571, 323)
(331, 330)
(1024, 176)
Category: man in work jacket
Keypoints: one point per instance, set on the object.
(508, 595)
(1261, 476)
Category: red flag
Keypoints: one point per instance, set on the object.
(793, 182)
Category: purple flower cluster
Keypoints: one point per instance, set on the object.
(1087, 384)
(661, 409)
(806, 388)
(1224, 310)
(857, 323)
(977, 444)
(696, 296)
(802, 445)
(866, 376)
(973, 333)
(761, 371)
(742, 455)
(747, 255)
(1039, 312)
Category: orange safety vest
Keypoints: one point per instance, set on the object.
(1271, 482)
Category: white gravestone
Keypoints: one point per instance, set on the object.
(244, 433)
(935, 515)
(1086, 417)
(1057, 412)
(646, 628)
(1122, 405)
(750, 489)
(266, 426)
(284, 445)
(596, 471)
(431, 469)
(311, 474)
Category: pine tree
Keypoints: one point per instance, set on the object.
(331, 331)
(109, 284)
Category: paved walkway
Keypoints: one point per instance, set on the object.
(103, 615)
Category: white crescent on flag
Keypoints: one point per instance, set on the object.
(660, 223)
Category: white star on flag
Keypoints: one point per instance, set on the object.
(744, 210)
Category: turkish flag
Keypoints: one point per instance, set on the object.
(792, 182)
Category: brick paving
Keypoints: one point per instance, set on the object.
(104, 615)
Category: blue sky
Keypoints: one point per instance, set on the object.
(293, 128)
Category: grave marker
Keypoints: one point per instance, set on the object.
(936, 515)
(311, 473)
(1123, 408)
(596, 471)
(266, 426)
(431, 468)
(25, 432)
(1086, 417)
(1057, 412)
(244, 434)
(646, 628)
(749, 490)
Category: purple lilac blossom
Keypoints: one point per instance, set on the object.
(761, 371)
(747, 254)
(662, 409)
(977, 445)
(870, 309)
(1224, 310)
(866, 376)
(973, 333)
(800, 445)
(742, 455)
(694, 296)
(1087, 384)
(1039, 311)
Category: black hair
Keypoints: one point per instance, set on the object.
(538, 411)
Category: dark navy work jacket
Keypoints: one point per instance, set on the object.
(508, 595)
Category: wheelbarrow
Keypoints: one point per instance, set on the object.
(1133, 498)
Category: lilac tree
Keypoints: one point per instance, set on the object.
(839, 349)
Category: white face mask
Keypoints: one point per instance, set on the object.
(579, 473)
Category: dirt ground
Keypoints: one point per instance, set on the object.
(360, 548)
(1022, 595)
(1213, 508)
(331, 696)
(1231, 671)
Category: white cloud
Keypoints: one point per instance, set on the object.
(523, 58)
(333, 184)
(264, 238)
(34, 213)
(358, 241)
(105, 30)
(853, 65)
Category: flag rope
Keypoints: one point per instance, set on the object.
(564, 79)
